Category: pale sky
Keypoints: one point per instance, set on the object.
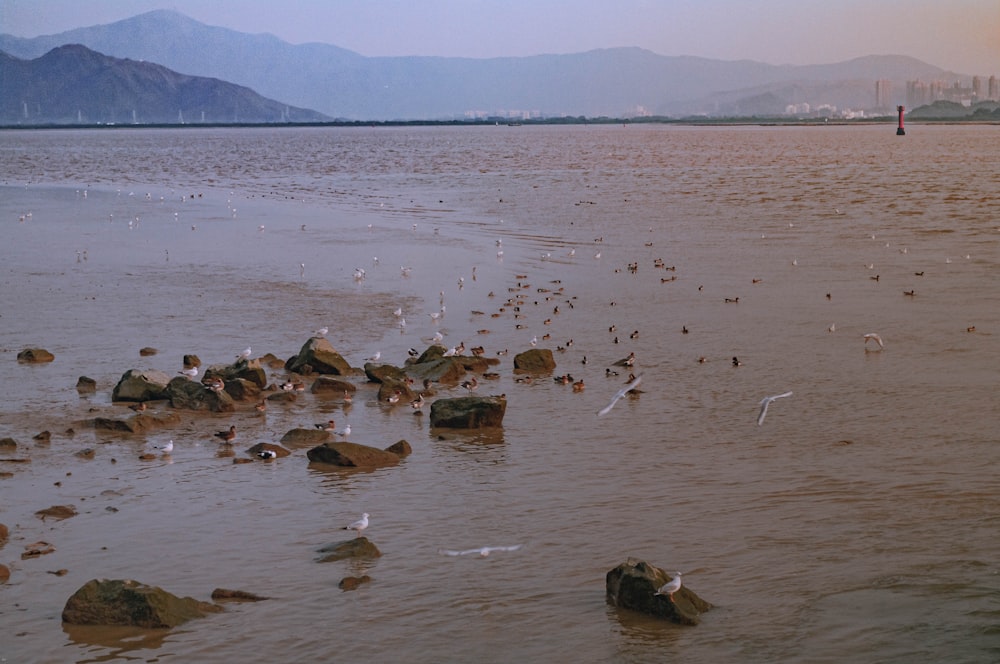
(959, 35)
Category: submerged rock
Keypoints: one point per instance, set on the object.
(469, 412)
(226, 595)
(633, 585)
(141, 423)
(358, 547)
(35, 355)
(136, 385)
(57, 512)
(353, 582)
(304, 437)
(329, 385)
(352, 455)
(85, 384)
(124, 602)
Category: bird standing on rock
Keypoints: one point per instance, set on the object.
(359, 525)
(670, 587)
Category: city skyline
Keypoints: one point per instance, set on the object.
(960, 36)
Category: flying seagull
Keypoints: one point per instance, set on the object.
(765, 402)
(482, 552)
(620, 394)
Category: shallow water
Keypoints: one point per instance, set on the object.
(859, 522)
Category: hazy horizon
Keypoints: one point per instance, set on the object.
(960, 36)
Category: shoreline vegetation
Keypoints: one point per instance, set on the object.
(579, 120)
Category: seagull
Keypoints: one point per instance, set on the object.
(358, 525)
(619, 395)
(398, 312)
(267, 454)
(244, 355)
(375, 358)
(321, 332)
(345, 432)
(874, 337)
(227, 436)
(482, 551)
(166, 449)
(670, 587)
(190, 373)
(765, 402)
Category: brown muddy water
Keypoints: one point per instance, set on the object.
(859, 522)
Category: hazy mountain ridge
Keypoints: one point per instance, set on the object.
(73, 83)
(615, 82)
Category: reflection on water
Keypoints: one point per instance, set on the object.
(862, 498)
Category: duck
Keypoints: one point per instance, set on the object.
(228, 436)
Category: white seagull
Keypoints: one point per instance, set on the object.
(166, 449)
(619, 395)
(482, 551)
(874, 337)
(376, 357)
(765, 402)
(321, 332)
(245, 354)
(190, 373)
(670, 587)
(358, 525)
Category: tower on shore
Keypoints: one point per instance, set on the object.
(899, 130)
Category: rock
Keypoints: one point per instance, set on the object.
(353, 582)
(241, 389)
(352, 455)
(192, 395)
(37, 549)
(4, 573)
(85, 384)
(270, 360)
(357, 547)
(392, 387)
(283, 397)
(118, 602)
(57, 512)
(278, 450)
(633, 585)
(191, 361)
(400, 449)
(4, 534)
(381, 373)
(535, 360)
(35, 355)
(225, 595)
(42, 437)
(440, 370)
(478, 364)
(86, 453)
(8, 444)
(319, 355)
(326, 384)
(249, 370)
(141, 423)
(147, 351)
(469, 412)
(306, 437)
(136, 385)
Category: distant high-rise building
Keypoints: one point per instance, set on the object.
(883, 93)
(977, 88)
(993, 91)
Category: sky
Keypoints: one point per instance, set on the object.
(959, 35)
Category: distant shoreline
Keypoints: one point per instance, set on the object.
(706, 122)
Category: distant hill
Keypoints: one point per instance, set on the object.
(616, 82)
(73, 84)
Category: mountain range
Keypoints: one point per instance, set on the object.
(618, 82)
(73, 84)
